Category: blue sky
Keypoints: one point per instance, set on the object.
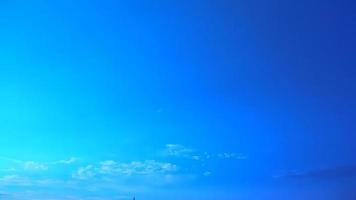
(177, 100)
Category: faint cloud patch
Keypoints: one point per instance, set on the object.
(332, 173)
(238, 156)
(207, 173)
(67, 161)
(113, 168)
(178, 150)
(35, 166)
(84, 172)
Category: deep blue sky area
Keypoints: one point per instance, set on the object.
(233, 100)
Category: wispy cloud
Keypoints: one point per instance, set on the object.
(113, 168)
(84, 172)
(178, 150)
(238, 156)
(331, 173)
(207, 173)
(31, 165)
(35, 166)
(67, 161)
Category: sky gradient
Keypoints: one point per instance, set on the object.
(233, 100)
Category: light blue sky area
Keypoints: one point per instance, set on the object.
(228, 100)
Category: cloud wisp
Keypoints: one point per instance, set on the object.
(30, 165)
(34, 166)
(180, 151)
(68, 161)
(332, 173)
(113, 168)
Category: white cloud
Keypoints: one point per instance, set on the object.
(231, 156)
(84, 172)
(136, 167)
(18, 165)
(177, 150)
(67, 161)
(35, 166)
(113, 168)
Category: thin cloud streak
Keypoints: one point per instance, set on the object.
(180, 151)
(331, 173)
